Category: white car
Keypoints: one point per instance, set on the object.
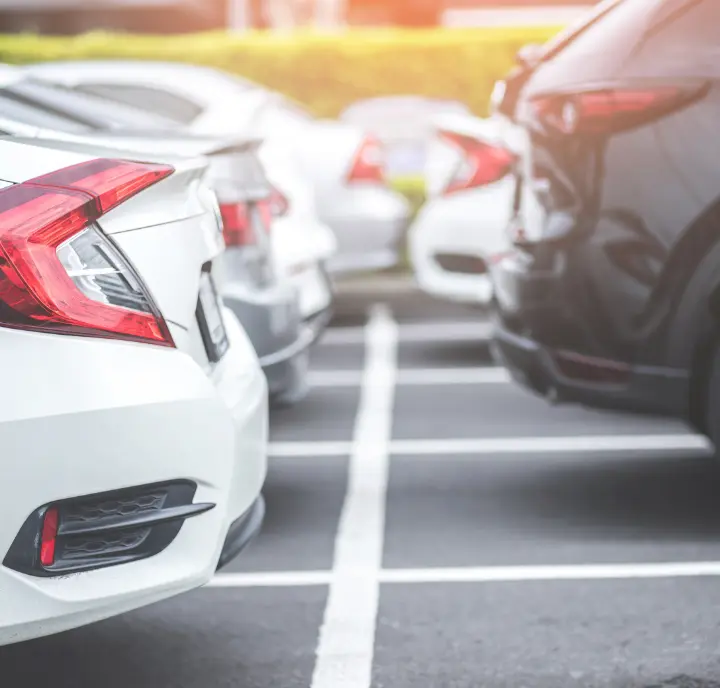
(404, 125)
(343, 163)
(302, 244)
(464, 220)
(277, 288)
(134, 419)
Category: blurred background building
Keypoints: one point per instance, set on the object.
(173, 16)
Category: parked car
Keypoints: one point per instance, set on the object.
(463, 222)
(609, 297)
(344, 164)
(131, 392)
(404, 125)
(263, 285)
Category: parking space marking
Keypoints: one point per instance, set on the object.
(477, 574)
(506, 445)
(270, 579)
(347, 637)
(415, 376)
(416, 332)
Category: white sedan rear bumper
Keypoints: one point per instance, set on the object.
(101, 415)
(466, 227)
(369, 222)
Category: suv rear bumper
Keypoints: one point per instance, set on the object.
(544, 343)
(651, 390)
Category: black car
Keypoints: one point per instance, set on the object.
(611, 294)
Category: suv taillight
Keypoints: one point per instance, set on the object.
(58, 272)
(369, 163)
(481, 163)
(607, 110)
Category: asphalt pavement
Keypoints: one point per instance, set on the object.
(449, 530)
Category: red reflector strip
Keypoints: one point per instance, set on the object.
(590, 369)
(48, 536)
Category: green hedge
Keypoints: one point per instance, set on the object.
(326, 72)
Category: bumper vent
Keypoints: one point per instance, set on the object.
(461, 263)
(105, 529)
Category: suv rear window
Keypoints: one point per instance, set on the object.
(683, 39)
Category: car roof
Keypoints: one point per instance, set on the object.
(109, 68)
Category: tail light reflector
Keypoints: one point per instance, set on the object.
(48, 536)
(604, 111)
(369, 163)
(58, 271)
(482, 163)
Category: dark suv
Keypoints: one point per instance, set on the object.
(611, 295)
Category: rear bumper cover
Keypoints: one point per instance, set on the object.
(542, 343)
(242, 532)
(646, 390)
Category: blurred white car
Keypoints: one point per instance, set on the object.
(344, 165)
(134, 418)
(404, 125)
(469, 202)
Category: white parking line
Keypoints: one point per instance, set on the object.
(415, 376)
(416, 332)
(506, 445)
(479, 574)
(347, 637)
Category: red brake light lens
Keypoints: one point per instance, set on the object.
(482, 163)
(48, 536)
(58, 272)
(237, 230)
(369, 163)
(608, 110)
(277, 203)
(110, 182)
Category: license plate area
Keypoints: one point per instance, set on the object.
(209, 317)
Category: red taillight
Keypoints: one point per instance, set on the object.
(369, 163)
(277, 203)
(48, 535)
(237, 230)
(58, 272)
(109, 182)
(607, 110)
(482, 163)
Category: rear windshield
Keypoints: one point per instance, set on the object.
(19, 109)
(614, 22)
(684, 38)
(95, 113)
(169, 105)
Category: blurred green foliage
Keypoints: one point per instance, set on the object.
(325, 72)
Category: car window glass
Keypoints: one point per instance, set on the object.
(22, 111)
(97, 113)
(620, 27)
(684, 38)
(170, 105)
